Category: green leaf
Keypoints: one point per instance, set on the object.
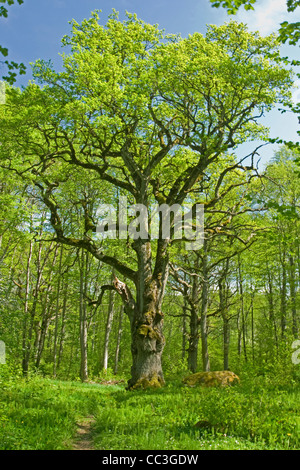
(3, 12)
(4, 51)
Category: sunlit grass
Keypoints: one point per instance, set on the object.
(233, 418)
(42, 414)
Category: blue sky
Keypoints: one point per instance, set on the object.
(34, 30)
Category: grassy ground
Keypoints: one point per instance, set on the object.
(44, 414)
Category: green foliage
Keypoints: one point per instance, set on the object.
(11, 77)
(4, 11)
(232, 6)
(288, 31)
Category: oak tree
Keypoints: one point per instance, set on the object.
(146, 113)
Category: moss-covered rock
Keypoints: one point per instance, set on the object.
(220, 378)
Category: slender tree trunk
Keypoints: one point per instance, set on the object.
(204, 307)
(193, 339)
(283, 301)
(120, 331)
(252, 326)
(110, 316)
(272, 309)
(194, 324)
(34, 305)
(292, 283)
(226, 325)
(226, 342)
(46, 313)
(63, 323)
(46, 319)
(57, 313)
(242, 309)
(239, 327)
(25, 362)
(83, 317)
(40, 265)
(184, 326)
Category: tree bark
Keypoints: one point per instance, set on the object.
(25, 361)
(184, 324)
(204, 307)
(83, 317)
(271, 308)
(226, 325)
(110, 316)
(46, 313)
(63, 323)
(292, 282)
(57, 312)
(193, 340)
(120, 331)
(242, 308)
(146, 317)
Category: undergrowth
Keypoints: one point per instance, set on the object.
(40, 414)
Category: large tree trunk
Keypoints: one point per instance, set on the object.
(146, 317)
(146, 348)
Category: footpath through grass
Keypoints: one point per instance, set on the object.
(41, 414)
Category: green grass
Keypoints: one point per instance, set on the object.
(235, 418)
(41, 414)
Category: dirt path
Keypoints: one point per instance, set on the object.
(83, 440)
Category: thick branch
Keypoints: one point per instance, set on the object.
(85, 243)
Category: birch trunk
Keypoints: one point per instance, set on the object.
(204, 307)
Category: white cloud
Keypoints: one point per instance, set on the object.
(267, 16)
(296, 92)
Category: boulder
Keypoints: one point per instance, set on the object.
(220, 378)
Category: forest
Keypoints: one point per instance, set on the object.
(100, 328)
